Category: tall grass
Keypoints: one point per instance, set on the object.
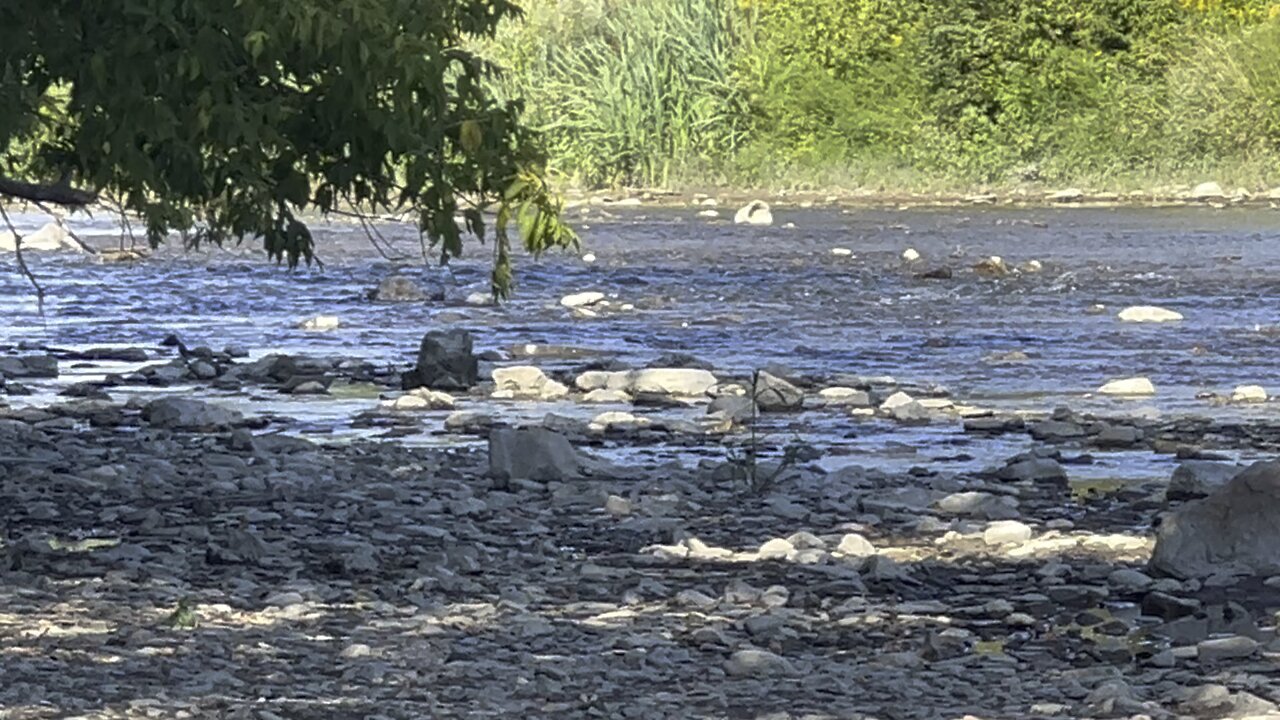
(630, 91)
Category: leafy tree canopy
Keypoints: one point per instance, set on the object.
(224, 119)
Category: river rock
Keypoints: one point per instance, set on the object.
(847, 396)
(682, 382)
(321, 323)
(531, 454)
(421, 399)
(735, 408)
(1199, 478)
(1229, 648)
(760, 664)
(52, 237)
(910, 255)
(445, 362)
(1034, 469)
(993, 266)
(582, 299)
(1148, 314)
(398, 288)
(526, 382)
(755, 212)
(1235, 529)
(773, 394)
(1249, 394)
(1006, 532)
(1130, 387)
(29, 366)
(605, 395)
(1207, 191)
(979, 505)
(174, 413)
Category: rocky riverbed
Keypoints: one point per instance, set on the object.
(354, 520)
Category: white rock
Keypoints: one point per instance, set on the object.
(1032, 266)
(321, 323)
(1006, 532)
(604, 395)
(480, 299)
(526, 382)
(50, 238)
(589, 258)
(855, 545)
(683, 382)
(422, 399)
(910, 255)
(755, 212)
(1207, 191)
(1133, 387)
(776, 549)
(898, 399)
(1148, 313)
(582, 299)
(841, 252)
(1249, 394)
(618, 421)
(617, 506)
(708, 214)
(593, 380)
(844, 396)
(758, 664)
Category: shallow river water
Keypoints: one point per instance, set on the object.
(742, 297)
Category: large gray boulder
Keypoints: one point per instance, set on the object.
(531, 454)
(446, 361)
(1235, 530)
(1199, 478)
(174, 413)
(773, 394)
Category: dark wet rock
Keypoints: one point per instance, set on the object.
(679, 360)
(1056, 431)
(202, 370)
(191, 415)
(1168, 607)
(1199, 478)
(773, 394)
(531, 454)
(1033, 469)
(29, 366)
(1236, 529)
(398, 288)
(1118, 436)
(993, 425)
(446, 361)
(114, 354)
(938, 273)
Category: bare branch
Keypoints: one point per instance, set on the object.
(60, 194)
(22, 262)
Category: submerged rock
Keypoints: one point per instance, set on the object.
(582, 299)
(755, 212)
(1235, 529)
(446, 361)
(321, 323)
(398, 288)
(993, 266)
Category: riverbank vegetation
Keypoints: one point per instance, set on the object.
(910, 94)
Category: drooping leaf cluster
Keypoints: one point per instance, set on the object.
(226, 119)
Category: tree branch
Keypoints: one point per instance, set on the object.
(60, 194)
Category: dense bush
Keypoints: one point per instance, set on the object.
(970, 91)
